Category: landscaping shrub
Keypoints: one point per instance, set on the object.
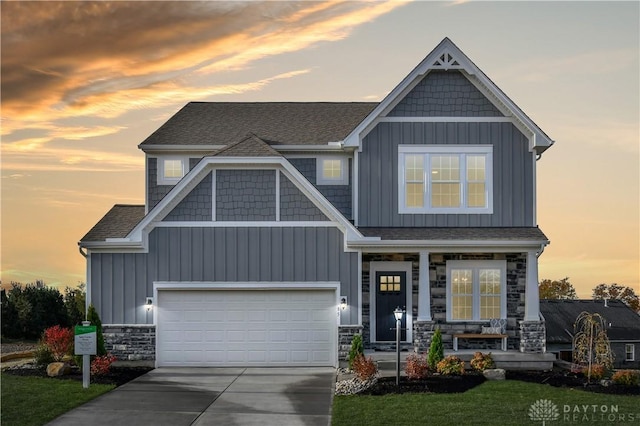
(102, 364)
(451, 366)
(42, 355)
(481, 362)
(436, 350)
(416, 367)
(364, 368)
(626, 377)
(598, 371)
(94, 319)
(357, 348)
(59, 341)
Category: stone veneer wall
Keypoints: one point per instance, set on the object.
(423, 330)
(345, 336)
(533, 337)
(130, 342)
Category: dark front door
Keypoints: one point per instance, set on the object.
(391, 292)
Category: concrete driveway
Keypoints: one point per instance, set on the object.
(214, 396)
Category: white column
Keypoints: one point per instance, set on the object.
(532, 297)
(424, 290)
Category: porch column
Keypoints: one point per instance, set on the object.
(424, 290)
(532, 297)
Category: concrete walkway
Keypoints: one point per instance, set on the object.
(214, 396)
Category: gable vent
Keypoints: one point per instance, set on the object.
(446, 61)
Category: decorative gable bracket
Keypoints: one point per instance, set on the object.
(445, 61)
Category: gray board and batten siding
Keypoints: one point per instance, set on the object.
(513, 174)
(120, 282)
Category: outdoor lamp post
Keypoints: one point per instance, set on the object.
(398, 314)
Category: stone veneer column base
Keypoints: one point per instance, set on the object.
(130, 342)
(533, 337)
(345, 336)
(422, 334)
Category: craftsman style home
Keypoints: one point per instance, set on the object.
(273, 232)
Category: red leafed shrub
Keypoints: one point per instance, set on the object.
(598, 371)
(58, 340)
(365, 368)
(101, 365)
(416, 367)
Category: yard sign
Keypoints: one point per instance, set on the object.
(86, 340)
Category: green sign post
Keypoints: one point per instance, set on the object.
(86, 344)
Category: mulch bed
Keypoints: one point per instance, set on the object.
(432, 384)
(117, 375)
(459, 384)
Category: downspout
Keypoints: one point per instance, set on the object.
(87, 295)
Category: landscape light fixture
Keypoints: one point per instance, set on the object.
(397, 313)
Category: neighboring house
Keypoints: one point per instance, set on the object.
(273, 232)
(623, 328)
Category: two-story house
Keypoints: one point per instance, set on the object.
(273, 232)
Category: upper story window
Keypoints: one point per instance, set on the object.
(171, 170)
(332, 171)
(445, 179)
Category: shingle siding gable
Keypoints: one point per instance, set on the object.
(445, 94)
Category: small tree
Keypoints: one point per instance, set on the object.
(94, 319)
(557, 289)
(590, 342)
(357, 348)
(618, 292)
(74, 303)
(436, 350)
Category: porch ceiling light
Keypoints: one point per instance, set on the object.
(398, 313)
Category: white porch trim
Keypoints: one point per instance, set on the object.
(424, 288)
(532, 297)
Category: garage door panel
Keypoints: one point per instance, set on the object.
(246, 327)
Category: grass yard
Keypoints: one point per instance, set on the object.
(493, 402)
(34, 401)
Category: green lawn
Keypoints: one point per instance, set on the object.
(492, 403)
(31, 401)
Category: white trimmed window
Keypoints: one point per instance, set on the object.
(445, 179)
(332, 171)
(476, 290)
(171, 170)
(629, 352)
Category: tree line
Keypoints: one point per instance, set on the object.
(27, 310)
(563, 289)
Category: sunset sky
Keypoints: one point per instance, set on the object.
(84, 83)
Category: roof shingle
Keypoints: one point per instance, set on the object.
(117, 223)
(249, 146)
(560, 315)
(277, 123)
(438, 234)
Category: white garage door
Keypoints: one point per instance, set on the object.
(246, 327)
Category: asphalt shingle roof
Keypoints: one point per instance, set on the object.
(498, 234)
(249, 146)
(117, 223)
(560, 315)
(277, 123)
